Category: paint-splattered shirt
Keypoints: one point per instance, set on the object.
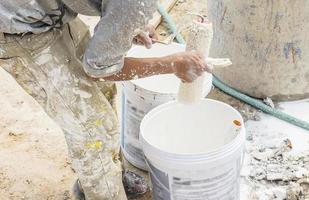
(120, 21)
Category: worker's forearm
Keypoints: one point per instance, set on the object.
(143, 67)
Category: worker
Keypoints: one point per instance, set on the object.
(51, 55)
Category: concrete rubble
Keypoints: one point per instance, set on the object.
(272, 170)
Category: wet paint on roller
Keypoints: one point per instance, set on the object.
(199, 40)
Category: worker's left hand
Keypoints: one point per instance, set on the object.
(147, 37)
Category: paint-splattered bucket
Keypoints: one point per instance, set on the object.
(194, 151)
(140, 96)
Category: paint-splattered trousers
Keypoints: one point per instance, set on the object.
(48, 67)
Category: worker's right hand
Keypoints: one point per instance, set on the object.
(188, 66)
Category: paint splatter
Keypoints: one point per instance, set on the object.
(95, 145)
(289, 48)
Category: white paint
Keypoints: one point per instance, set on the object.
(43, 59)
(141, 13)
(191, 129)
(218, 62)
(190, 93)
(91, 21)
(1, 52)
(193, 92)
(82, 93)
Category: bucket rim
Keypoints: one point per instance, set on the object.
(140, 90)
(193, 157)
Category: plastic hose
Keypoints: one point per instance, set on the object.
(168, 19)
(228, 90)
(260, 105)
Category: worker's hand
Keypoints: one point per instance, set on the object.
(188, 66)
(147, 37)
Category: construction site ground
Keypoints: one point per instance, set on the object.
(34, 162)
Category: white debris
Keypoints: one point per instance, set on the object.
(275, 172)
(279, 193)
(294, 191)
(268, 101)
(82, 93)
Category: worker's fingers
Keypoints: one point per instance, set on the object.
(152, 32)
(144, 38)
(190, 65)
(154, 40)
(205, 66)
(200, 59)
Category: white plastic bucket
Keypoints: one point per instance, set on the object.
(194, 151)
(142, 95)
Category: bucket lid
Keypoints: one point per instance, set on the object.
(166, 83)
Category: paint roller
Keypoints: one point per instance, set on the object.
(200, 37)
